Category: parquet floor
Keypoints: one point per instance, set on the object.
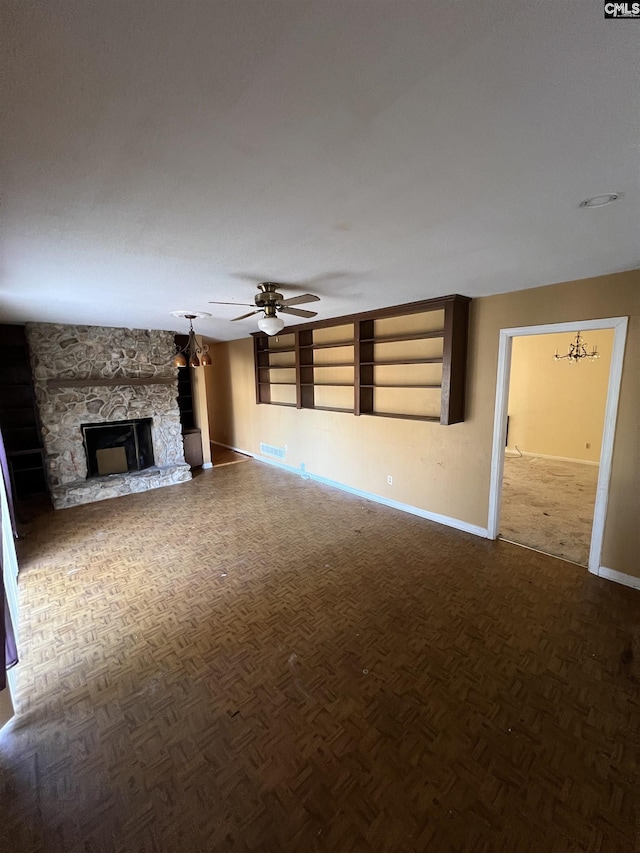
(256, 662)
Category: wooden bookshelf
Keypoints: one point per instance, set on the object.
(408, 361)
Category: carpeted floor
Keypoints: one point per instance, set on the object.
(548, 504)
(256, 662)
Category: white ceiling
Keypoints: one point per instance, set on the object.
(164, 153)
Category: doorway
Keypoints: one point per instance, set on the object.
(507, 336)
(555, 421)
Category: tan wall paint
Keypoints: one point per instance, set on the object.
(556, 408)
(445, 470)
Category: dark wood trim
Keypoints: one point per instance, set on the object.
(454, 364)
(334, 364)
(260, 360)
(304, 370)
(379, 314)
(405, 361)
(402, 417)
(325, 345)
(393, 339)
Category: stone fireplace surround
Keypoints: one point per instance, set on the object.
(92, 374)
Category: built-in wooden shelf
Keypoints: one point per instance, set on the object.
(403, 361)
(392, 339)
(403, 416)
(332, 364)
(402, 385)
(429, 338)
(101, 381)
(326, 344)
(331, 409)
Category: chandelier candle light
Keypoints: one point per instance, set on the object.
(192, 353)
(578, 351)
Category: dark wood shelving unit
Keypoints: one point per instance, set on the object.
(185, 390)
(376, 392)
(19, 416)
(271, 387)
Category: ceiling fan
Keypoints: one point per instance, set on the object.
(269, 301)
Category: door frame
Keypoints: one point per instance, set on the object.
(619, 326)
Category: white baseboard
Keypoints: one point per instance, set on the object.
(514, 454)
(618, 577)
(603, 571)
(413, 510)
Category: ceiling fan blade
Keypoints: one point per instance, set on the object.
(300, 300)
(298, 312)
(244, 316)
(213, 302)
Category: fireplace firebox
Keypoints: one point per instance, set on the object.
(116, 447)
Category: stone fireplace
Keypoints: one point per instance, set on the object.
(121, 380)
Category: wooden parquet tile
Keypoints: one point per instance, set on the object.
(255, 662)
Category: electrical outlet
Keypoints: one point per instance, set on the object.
(390, 480)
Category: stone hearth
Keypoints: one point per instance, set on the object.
(92, 374)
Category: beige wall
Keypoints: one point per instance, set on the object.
(440, 469)
(557, 408)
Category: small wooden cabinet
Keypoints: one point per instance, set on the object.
(192, 439)
(408, 362)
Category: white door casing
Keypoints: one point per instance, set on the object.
(619, 326)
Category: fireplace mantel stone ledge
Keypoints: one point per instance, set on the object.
(104, 382)
(115, 485)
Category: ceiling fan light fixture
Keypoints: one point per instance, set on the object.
(271, 325)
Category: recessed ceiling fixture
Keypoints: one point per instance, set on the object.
(578, 351)
(192, 353)
(600, 200)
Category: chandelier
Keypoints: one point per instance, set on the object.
(578, 351)
(192, 353)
